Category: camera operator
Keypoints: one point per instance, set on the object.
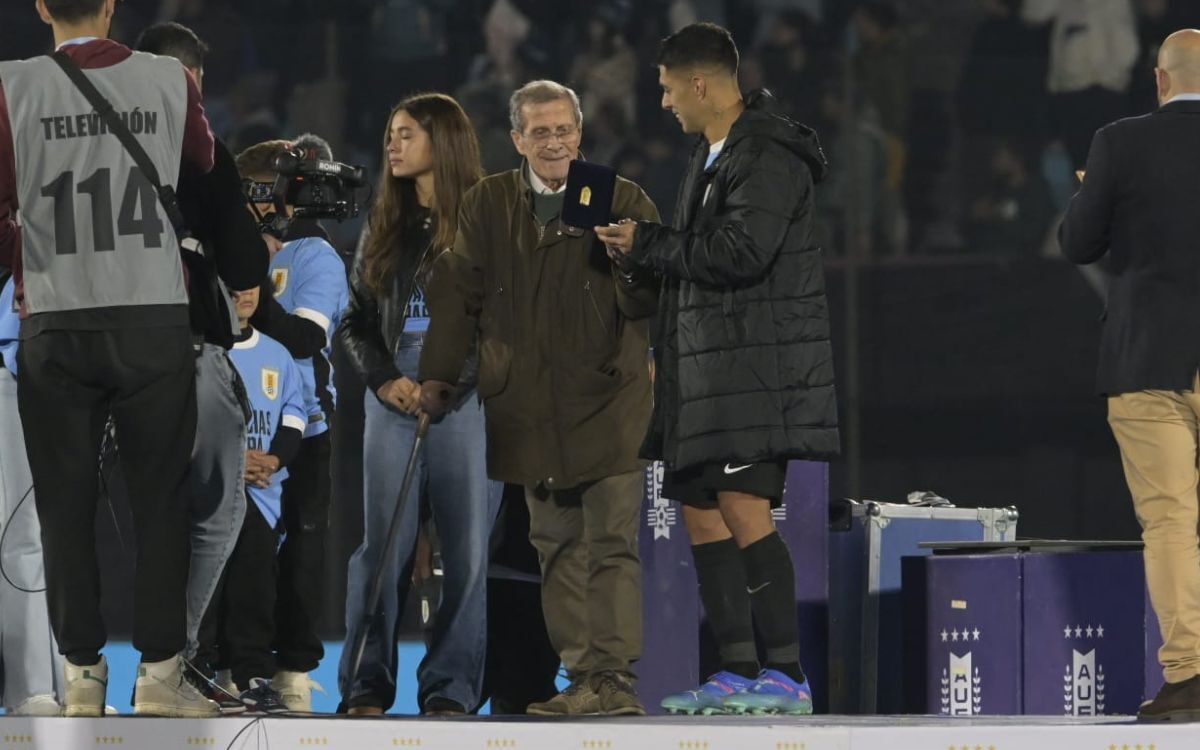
(308, 294)
(313, 148)
(215, 210)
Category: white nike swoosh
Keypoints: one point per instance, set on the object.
(757, 589)
(729, 469)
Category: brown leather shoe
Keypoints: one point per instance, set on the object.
(1176, 701)
(617, 693)
(577, 700)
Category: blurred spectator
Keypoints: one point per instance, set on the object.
(406, 46)
(1006, 55)
(881, 75)
(1009, 55)
(491, 78)
(681, 13)
(604, 71)
(1093, 48)
(489, 115)
(790, 63)
(1012, 217)
(881, 64)
(606, 134)
(504, 30)
(655, 164)
(253, 109)
(232, 53)
(855, 194)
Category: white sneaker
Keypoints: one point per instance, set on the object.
(161, 690)
(296, 690)
(37, 705)
(86, 688)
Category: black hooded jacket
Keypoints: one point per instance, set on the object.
(744, 361)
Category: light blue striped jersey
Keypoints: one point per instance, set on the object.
(275, 386)
(309, 279)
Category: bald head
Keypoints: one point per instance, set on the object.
(1178, 69)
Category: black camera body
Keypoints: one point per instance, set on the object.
(314, 188)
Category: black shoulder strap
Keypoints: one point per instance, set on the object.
(116, 126)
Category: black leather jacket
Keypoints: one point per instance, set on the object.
(372, 328)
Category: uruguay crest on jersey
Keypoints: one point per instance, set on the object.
(279, 280)
(270, 383)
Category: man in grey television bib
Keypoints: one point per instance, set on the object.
(105, 330)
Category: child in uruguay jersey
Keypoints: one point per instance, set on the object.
(239, 625)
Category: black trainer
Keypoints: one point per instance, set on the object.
(1176, 701)
(261, 698)
(440, 706)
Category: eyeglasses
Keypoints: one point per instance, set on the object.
(542, 136)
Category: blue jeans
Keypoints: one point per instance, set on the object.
(451, 474)
(29, 660)
(215, 482)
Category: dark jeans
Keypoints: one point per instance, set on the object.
(302, 557)
(70, 382)
(239, 624)
(521, 661)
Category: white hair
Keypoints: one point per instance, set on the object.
(540, 92)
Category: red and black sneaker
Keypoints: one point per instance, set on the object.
(261, 698)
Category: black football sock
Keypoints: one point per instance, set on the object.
(722, 579)
(771, 583)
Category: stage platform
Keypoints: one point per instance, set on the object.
(656, 733)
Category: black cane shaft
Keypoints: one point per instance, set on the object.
(360, 641)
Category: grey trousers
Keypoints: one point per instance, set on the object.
(29, 660)
(216, 490)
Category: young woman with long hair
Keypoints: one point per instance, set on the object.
(431, 157)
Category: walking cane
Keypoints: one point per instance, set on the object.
(360, 642)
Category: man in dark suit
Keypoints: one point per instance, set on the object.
(1139, 203)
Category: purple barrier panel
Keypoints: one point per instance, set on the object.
(803, 522)
(1085, 630)
(1154, 675)
(973, 634)
(670, 599)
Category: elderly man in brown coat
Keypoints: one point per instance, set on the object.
(563, 346)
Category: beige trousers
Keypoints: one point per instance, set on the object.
(1157, 433)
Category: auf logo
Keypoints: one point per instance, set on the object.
(661, 515)
(962, 687)
(1083, 685)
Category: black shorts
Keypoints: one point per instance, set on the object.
(699, 485)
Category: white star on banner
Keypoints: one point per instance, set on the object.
(1067, 632)
(1090, 630)
(975, 633)
(945, 636)
(1078, 632)
(955, 635)
(1100, 631)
